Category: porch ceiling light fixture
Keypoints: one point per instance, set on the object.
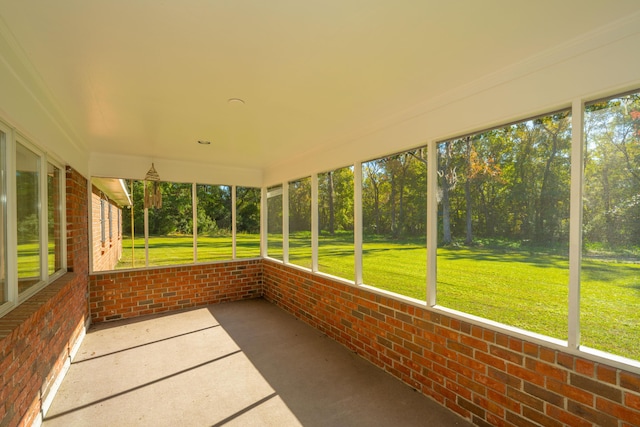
(152, 194)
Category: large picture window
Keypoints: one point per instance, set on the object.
(28, 192)
(247, 222)
(610, 276)
(394, 206)
(300, 222)
(32, 227)
(214, 222)
(503, 224)
(335, 221)
(274, 222)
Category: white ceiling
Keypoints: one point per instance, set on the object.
(151, 77)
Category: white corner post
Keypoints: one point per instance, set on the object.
(263, 223)
(234, 228)
(285, 222)
(194, 219)
(314, 222)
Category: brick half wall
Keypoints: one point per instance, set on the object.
(123, 294)
(483, 375)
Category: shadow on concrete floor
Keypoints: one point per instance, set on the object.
(245, 363)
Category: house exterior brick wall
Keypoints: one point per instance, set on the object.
(123, 294)
(37, 336)
(107, 249)
(483, 375)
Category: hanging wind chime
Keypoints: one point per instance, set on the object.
(152, 195)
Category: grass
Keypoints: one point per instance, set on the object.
(515, 286)
(178, 249)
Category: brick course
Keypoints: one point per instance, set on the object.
(487, 377)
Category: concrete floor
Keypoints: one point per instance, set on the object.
(245, 364)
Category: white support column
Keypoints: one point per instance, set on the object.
(314, 222)
(146, 237)
(357, 221)
(234, 228)
(575, 221)
(194, 218)
(432, 222)
(263, 223)
(146, 230)
(285, 222)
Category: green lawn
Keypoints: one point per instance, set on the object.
(516, 287)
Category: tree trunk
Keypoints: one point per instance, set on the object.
(467, 192)
(332, 217)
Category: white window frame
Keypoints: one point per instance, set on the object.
(14, 299)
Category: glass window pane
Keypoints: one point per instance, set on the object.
(171, 226)
(54, 218)
(610, 275)
(247, 222)
(300, 222)
(394, 206)
(503, 224)
(133, 255)
(335, 219)
(274, 222)
(28, 224)
(4, 291)
(214, 222)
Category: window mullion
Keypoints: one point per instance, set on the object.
(285, 222)
(314, 222)
(44, 218)
(194, 220)
(234, 228)
(575, 222)
(357, 221)
(12, 219)
(263, 223)
(432, 222)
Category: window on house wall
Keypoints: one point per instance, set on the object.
(103, 234)
(214, 222)
(610, 272)
(274, 222)
(28, 192)
(31, 225)
(300, 222)
(110, 220)
(171, 226)
(503, 224)
(394, 206)
(335, 222)
(247, 222)
(54, 221)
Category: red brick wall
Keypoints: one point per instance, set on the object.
(485, 376)
(37, 336)
(122, 294)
